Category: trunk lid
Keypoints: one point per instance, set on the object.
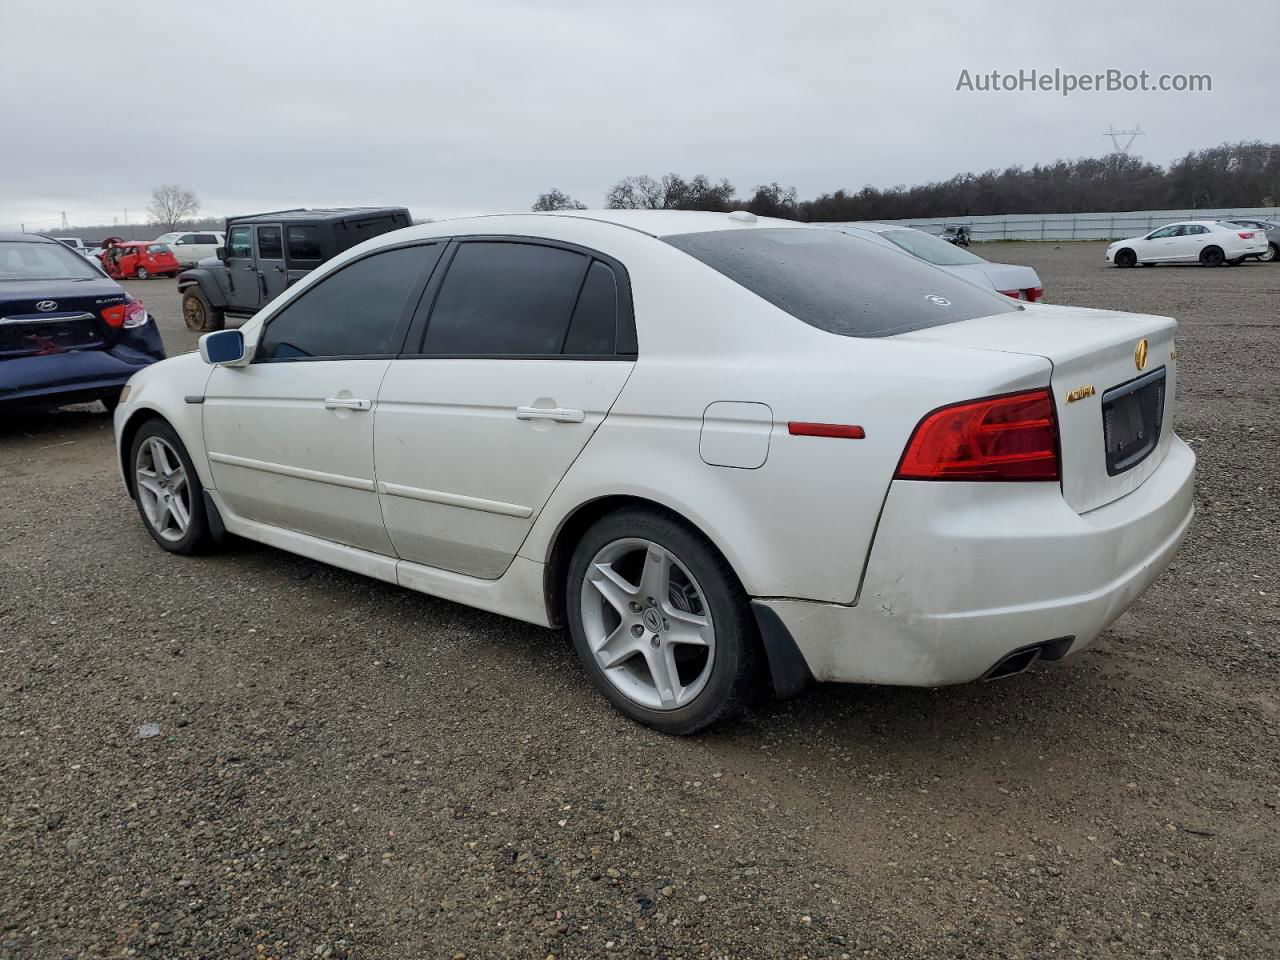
(30, 327)
(1115, 414)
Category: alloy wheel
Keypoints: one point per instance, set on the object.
(163, 490)
(648, 624)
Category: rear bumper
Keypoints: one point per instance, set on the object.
(963, 574)
(74, 373)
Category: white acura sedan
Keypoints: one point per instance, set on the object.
(719, 449)
(1210, 243)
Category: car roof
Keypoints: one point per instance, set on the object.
(314, 213)
(662, 223)
(26, 238)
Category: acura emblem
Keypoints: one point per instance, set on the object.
(1140, 354)
(47, 306)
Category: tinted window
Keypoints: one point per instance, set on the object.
(593, 330)
(841, 284)
(304, 243)
(42, 261)
(505, 299)
(930, 249)
(353, 312)
(241, 244)
(269, 243)
(207, 238)
(1164, 232)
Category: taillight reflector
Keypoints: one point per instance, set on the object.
(842, 431)
(114, 316)
(1010, 437)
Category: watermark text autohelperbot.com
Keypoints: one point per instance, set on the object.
(1065, 83)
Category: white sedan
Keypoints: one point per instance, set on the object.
(715, 447)
(1210, 243)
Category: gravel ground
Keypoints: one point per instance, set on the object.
(343, 769)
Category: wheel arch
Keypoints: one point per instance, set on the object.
(576, 523)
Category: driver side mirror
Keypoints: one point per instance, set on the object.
(220, 253)
(224, 348)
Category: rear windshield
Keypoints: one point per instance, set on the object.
(841, 284)
(42, 261)
(931, 249)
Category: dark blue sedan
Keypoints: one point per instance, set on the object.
(68, 333)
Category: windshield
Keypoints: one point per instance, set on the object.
(42, 261)
(838, 283)
(930, 249)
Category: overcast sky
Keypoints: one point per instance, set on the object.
(480, 105)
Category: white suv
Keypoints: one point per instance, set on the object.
(193, 246)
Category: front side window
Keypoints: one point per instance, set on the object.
(241, 244)
(1164, 233)
(505, 299)
(838, 283)
(354, 312)
(931, 249)
(42, 261)
(269, 244)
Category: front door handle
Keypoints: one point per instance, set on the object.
(558, 414)
(347, 403)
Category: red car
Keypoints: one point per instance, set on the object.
(123, 259)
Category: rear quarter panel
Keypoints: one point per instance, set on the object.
(801, 524)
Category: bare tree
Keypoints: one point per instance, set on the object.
(555, 199)
(171, 204)
(672, 192)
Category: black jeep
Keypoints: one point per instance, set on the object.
(266, 252)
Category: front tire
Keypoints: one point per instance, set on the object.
(1212, 257)
(199, 314)
(660, 621)
(167, 490)
(1126, 258)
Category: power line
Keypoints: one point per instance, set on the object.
(1117, 135)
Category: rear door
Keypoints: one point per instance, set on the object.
(1194, 238)
(518, 351)
(290, 436)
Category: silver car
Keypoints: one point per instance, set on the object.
(1273, 235)
(1020, 283)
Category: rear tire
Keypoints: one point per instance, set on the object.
(616, 616)
(1212, 257)
(142, 273)
(1272, 254)
(1126, 258)
(199, 314)
(167, 489)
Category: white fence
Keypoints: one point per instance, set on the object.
(1081, 226)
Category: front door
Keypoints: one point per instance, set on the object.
(290, 435)
(1161, 245)
(519, 364)
(242, 270)
(271, 271)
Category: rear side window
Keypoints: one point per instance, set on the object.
(838, 283)
(505, 299)
(206, 238)
(241, 243)
(355, 312)
(304, 244)
(269, 244)
(593, 329)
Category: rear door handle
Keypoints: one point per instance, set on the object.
(558, 414)
(347, 403)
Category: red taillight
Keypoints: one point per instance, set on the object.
(1246, 235)
(1016, 294)
(840, 431)
(1012, 437)
(135, 314)
(114, 316)
(1035, 293)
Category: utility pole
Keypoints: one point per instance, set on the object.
(65, 227)
(1116, 136)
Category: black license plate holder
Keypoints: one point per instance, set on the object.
(1132, 419)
